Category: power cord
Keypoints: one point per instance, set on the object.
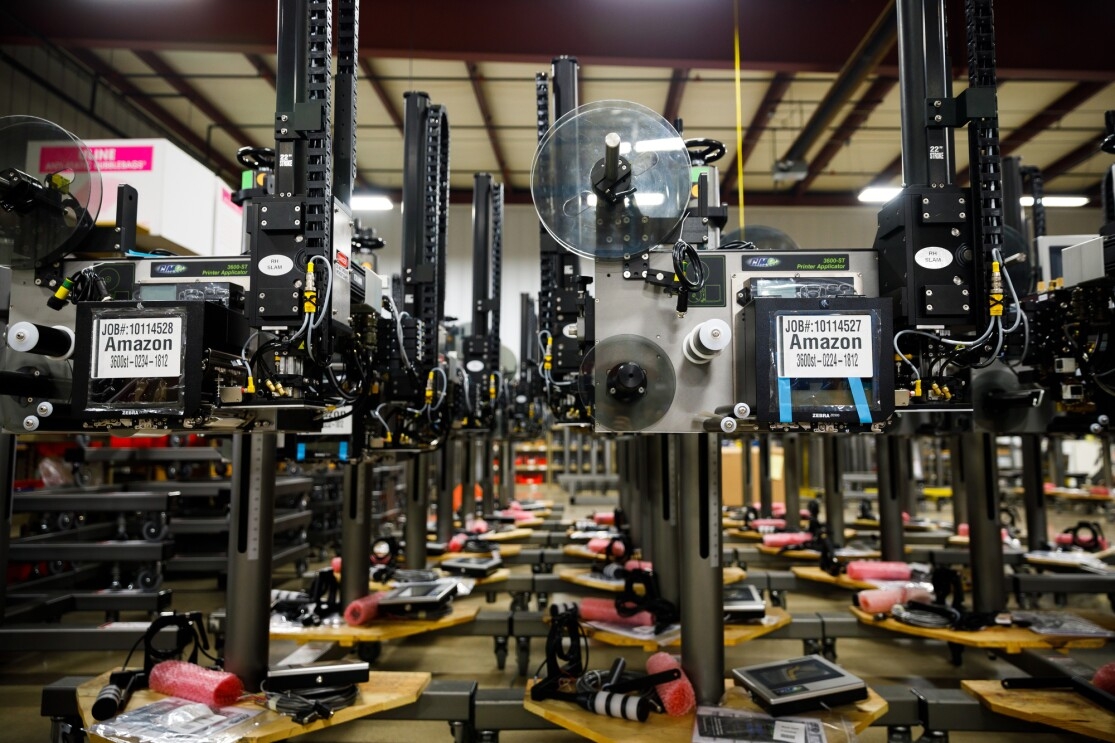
(306, 705)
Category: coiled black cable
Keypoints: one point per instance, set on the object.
(306, 705)
(686, 258)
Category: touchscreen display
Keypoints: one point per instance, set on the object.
(798, 673)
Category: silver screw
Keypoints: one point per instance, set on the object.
(38, 282)
(658, 276)
(642, 390)
(936, 104)
(263, 209)
(263, 222)
(297, 238)
(929, 308)
(294, 308)
(960, 200)
(297, 222)
(964, 292)
(957, 280)
(929, 292)
(937, 118)
(54, 283)
(925, 201)
(263, 309)
(20, 335)
(284, 117)
(954, 232)
(924, 216)
(962, 215)
(965, 308)
(626, 274)
(283, 130)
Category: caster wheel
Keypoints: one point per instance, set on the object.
(66, 520)
(148, 580)
(369, 651)
(153, 531)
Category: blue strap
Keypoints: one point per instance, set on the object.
(785, 410)
(860, 399)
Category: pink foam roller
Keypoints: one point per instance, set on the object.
(761, 524)
(600, 544)
(478, 526)
(880, 600)
(878, 570)
(905, 518)
(362, 611)
(604, 610)
(336, 563)
(1063, 540)
(961, 530)
(607, 518)
(786, 539)
(677, 696)
(177, 678)
(457, 542)
(639, 565)
(778, 510)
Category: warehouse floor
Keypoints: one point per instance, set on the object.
(907, 662)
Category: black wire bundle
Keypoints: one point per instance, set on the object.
(686, 257)
(306, 705)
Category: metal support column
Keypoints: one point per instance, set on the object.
(910, 488)
(249, 557)
(702, 579)
(791, 476)
(1057, 464)
(633, 501)
(660, 454)
(356, 531)
(892, 479)
(417, 497)
(1033, 493)
(506, 472)
(448, 479)
(956, 475)
(468, 479)
(1105, 454)
(985, 546)
(484, 467)
(765, 498)
(7, 479)
(816, 474)
(834, 488)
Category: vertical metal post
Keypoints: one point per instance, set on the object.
(816, 467)
(1108, 474)
(834, 488)
(484, 465)
(1057, 465)
(1033, 493)
(356, 531)
(7, 480)
(985, 545)
(791, 476)
(924, 73)
(417, 496)
(249, 557)
(910, 480)
(468, 479)
(661, 454)
(959, 487)
(447, 482)
(765, 498)
(891, 480)
(506, 472)
(702, 579)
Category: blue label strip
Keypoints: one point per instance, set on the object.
(785, 410)
(860, 399)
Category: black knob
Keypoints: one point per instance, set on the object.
(627, 382)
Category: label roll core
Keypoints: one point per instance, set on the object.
(54, 341)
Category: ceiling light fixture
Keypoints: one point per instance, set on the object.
(878, 194)
(1055, 201)
(371, 203)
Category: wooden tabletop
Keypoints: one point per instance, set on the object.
(737, 634)
(587, 578)
(664, 729)
(379, 630)
(382, 691)
(814, 555)
(1010, 639)
(815, 574)
(1059, 708)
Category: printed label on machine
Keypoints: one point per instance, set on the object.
(137, 347)
(819, 346)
